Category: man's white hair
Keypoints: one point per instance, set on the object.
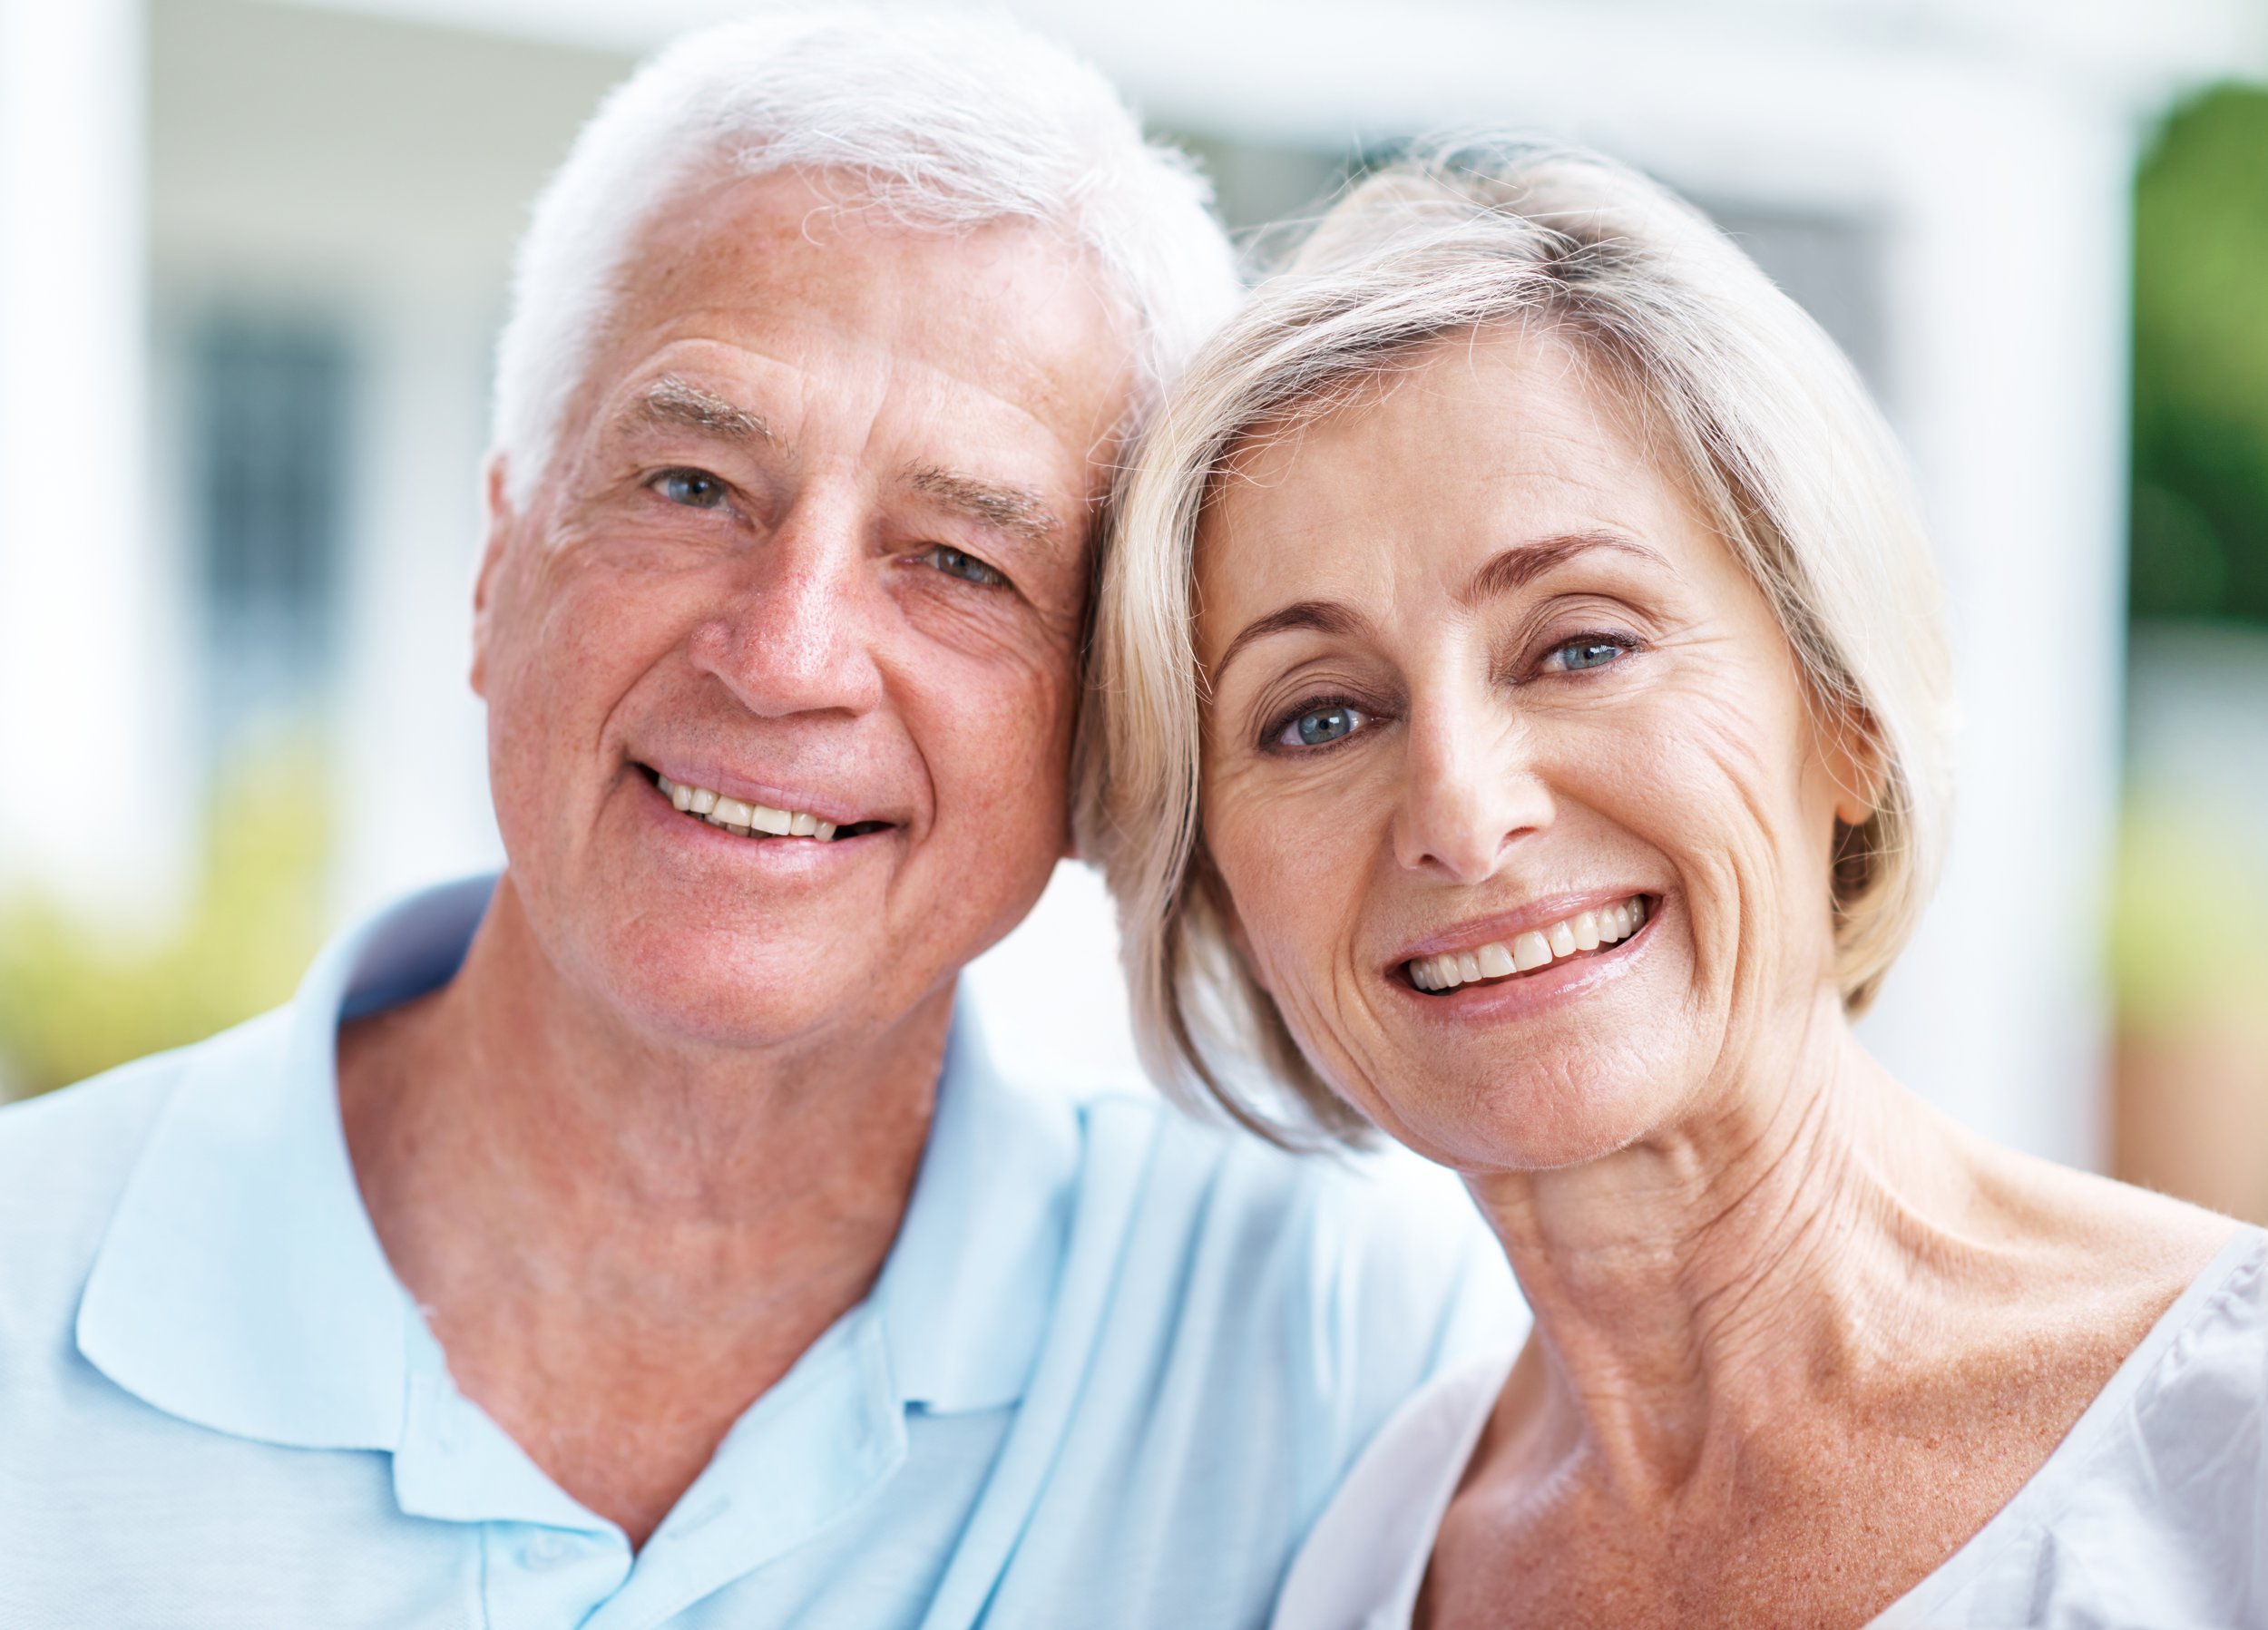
(945, 119)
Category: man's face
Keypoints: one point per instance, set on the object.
(815, 541)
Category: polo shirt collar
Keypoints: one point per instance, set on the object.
(241, 1285)
(966, 1295)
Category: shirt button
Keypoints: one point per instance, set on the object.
(547, 1550)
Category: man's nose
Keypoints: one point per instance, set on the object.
(1471, 788)
(799, 632)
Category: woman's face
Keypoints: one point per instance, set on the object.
(1491, 697)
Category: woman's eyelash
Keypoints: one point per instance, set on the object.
(1336, 719)
(1332, 719)
(1596, 650)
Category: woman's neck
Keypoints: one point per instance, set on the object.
(1786, 1231)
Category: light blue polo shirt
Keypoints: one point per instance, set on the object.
(1111, 1370)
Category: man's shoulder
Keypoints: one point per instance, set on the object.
(1345, 1207)
(67, 1156)
(1376, 1259)
(1251, 1316)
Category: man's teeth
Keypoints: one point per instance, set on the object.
(744, 818)
(1586, 931)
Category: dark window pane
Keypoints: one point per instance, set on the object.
(268, 437)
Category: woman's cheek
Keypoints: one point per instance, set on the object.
(1731, 855)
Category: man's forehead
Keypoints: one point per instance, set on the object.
(1009, 307)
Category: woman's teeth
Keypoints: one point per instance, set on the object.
(733, 816)
(1586, 931)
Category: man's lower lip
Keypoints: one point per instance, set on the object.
(711, 807)
(755, 845)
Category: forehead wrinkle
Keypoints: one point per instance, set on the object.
(1018, 510)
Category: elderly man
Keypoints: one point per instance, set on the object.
(640, 1237)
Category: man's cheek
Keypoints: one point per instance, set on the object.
(1007, 782)
(993, 628)
(591, 634)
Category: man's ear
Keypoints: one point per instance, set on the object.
(501, 519)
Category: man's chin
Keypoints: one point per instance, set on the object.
(715, 995)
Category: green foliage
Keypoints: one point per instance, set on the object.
(75, 1000)
(2189, 918)
(2200, 537)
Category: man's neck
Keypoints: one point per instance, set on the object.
(622, 1240)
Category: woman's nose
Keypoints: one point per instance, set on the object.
(1471, 790)
(799, 630)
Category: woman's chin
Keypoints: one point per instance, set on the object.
(1523, 1121)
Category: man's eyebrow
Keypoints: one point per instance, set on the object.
(674, 401)
(1522, 563)
(1018, 510)
(1317, 616)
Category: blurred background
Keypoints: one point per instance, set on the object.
(253, 254)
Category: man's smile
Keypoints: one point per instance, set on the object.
(752, 820)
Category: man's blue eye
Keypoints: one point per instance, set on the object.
(695, 489)
(956, 562)
(1319, 727)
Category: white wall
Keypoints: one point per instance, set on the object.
(1988, 148)
(378, 175)
(91, 799)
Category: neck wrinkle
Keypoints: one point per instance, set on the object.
(542, 1123)
(1690, 1288)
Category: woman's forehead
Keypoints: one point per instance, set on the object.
(1464, 449)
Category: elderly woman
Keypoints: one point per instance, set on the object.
(1522, 727)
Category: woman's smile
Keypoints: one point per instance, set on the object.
(1521, 724)
(1564, 743)
(1514, 951)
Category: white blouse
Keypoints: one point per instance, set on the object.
(2152, 1511)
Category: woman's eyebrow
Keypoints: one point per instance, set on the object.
(1522, 563)
(1318, 616)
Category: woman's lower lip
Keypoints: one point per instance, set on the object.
(1564, 977)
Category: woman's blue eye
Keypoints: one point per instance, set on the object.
(1319, 727)
(1587, 653)
(954, 563)
(695, 489)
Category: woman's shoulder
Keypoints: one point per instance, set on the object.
(2099, 1260)
(2200, 1376)
(2158, 1231)
(2148, 1511)
(1361, 1564)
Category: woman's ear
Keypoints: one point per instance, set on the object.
(1232, 926)
(1851, 752)
(1070, 823)
(1243, 951)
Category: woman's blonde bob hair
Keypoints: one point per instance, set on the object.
(1756, 410)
